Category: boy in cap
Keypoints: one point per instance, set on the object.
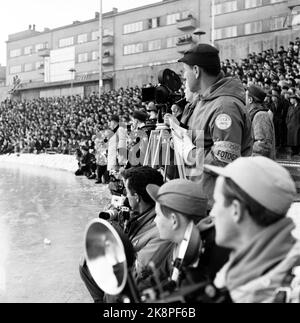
(181, 213)
(262, 125)
(252, 197)
(220, 113)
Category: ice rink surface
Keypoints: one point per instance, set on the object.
(43, 216)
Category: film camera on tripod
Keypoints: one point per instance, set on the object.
(160, 151)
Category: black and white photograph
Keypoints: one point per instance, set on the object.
(149, 154)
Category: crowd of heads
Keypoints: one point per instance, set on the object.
(61, 124)
(275, 72)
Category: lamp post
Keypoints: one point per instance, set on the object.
(213, 22)
(73, 71)
(100, 49)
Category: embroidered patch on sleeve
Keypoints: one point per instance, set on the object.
(224, 122)
(226, 151)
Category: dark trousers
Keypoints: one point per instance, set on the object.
(96, 293)
(102, 171)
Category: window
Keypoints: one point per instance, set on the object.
(133, 49)
(172, 19)
(132, 28)
(225, 7)
(95, 56)
(28, 67)
(28, 50)
(277, 23)
(230, 31)
(15, 52)
(15, 69)
(83, 57)
(39, 65)
(154, 44)
(64, 42)
(41, 46)
(154, 23)
(95, 35)
(82, 38)
(171, 42)
(226, 32)
(253, 27)
(218, 33)
(252, 3)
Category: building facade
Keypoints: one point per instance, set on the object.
(136, 45)
(140, 42)
(245, 26)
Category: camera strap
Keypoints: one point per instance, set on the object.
(182, 252)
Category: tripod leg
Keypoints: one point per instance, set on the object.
(157, 150)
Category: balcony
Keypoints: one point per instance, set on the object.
(107, 60)
(293, 3)
(44, 52)
(108, 40)
(187, 23)
(184, 43)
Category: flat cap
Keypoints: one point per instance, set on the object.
(257, 93)
(181, 196)
(115, 118)
(267, 182)
(203, 55)
(140, 115)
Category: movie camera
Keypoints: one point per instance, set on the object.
(119, 208)
(165, 94)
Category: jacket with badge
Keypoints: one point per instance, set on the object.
(222, 115)
(263, 132)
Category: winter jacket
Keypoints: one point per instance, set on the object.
(222, 116)
(263, 132)
(293, 126)
(260, 269)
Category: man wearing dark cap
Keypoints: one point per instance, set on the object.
(262, 125)
(181, 209)
(221, 114)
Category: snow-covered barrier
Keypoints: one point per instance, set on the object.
(60, 162)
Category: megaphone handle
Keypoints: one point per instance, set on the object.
(133, 289)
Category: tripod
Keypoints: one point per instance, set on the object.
(159, 152)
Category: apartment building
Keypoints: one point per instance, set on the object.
(140, 42)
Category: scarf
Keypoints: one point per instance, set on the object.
(263, 253)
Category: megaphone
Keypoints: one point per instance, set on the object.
(110, 258)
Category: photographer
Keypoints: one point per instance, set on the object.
(179, 205)
(101, 157)
(117, 149)
(252, 197)
(220, 115)
(87, 163)
(141, 228)
(138, 139)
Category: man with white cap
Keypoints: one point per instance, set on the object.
(252, 197)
